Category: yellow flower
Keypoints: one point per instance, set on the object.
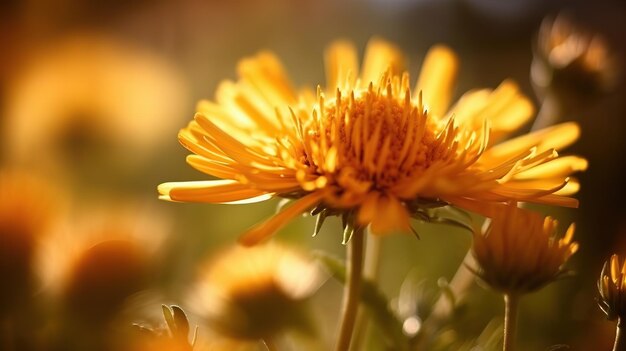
(256, 292)
(89, 97)
(612, 287)
(100, 257)
(366, 146)
(520, 251)
(572, 62)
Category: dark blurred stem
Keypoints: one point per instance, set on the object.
(370, 272)
(270, 344)
(510, 321)
(620, 343)
(549, 114)
(352, 289)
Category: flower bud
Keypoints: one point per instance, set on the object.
(520, 251)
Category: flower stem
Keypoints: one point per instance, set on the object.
(352, 289)
(620, 343)
(370, 271)
(550, 113)
(510, 321)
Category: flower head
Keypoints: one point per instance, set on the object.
(257, 292)
(571, 62)
(102, 277)
(367, 146)
(88, 97)
(520, 250)
(612, 288)
(99, 258)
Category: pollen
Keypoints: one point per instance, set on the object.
(374, 137)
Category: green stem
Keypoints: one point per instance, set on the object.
(620, 344)
(352, 289)
(370, 272)
(510, 321)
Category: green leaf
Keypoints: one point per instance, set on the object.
(321, 217)
(348, 231)
(447, 215)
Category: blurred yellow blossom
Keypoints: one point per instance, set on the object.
(571, 62)
(86, 97)
(100, 257)
(368, 147)
(258, 292)
(520, 251)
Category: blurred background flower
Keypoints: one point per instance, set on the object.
(89, 103)
(257, 293)
(571, 68)
(77, 77)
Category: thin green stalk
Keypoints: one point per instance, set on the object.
(620, 343)
(352, 289)
(511, 303)
(370, 272)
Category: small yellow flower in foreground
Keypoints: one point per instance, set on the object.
(520, 251)
(612, 288)
(368, 147)
(256, 292)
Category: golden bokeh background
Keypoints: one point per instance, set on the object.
(92, 95)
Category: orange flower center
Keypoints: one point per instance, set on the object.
(378, 138)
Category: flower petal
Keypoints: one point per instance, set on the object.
(380, 57)
(266, 74)
(559, 167)
(390, 216)
(209, 191)
(437, 79)
(262, 231)
(342, 65)
(555, 137)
